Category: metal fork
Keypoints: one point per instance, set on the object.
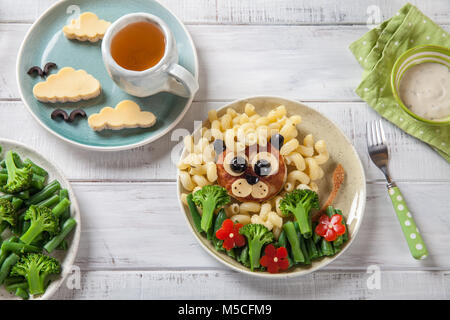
(379, 153)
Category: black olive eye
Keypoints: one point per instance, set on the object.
(238, 164)
(262, 167)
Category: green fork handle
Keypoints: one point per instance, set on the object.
(409, 228)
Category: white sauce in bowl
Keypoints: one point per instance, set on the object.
(425, 90)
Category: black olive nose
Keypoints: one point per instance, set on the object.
(251, 179)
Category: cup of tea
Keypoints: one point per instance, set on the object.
(141, 57)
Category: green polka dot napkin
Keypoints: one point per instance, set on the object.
(377, 52)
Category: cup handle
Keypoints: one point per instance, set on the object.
(183, 83)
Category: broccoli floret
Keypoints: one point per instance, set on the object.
(19, 179)
(257, 235)
(42, 220)
(7, 212)
(210, 198)
(36, 268)
(300, 203)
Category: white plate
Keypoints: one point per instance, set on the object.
(54, 173)
(351, 198)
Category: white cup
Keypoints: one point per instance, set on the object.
(167, 75)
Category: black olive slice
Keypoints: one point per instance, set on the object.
(277, 140)
(59, 113)
(238, 164)
(75, 113)
(48, 66)
(251, 179)
(262, 167)
(36, 70)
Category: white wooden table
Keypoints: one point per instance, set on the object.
(135, 243)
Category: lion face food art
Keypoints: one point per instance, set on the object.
(256, 174)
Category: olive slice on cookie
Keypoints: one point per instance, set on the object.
(235, 165)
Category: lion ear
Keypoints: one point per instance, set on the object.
(277, 141)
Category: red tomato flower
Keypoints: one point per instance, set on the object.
(230, 235)
(275, 259)
(330, 228)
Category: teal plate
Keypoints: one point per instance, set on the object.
(45, 42)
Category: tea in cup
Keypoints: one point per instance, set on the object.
(140, 55)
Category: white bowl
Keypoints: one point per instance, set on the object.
(65, 257)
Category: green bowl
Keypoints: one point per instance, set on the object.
(412, 57)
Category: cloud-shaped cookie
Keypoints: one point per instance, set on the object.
(87, 27)
(67, 85)
(126, 114)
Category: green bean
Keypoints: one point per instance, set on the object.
(63, 245)
(312, 249)
(12, 287)
(37, 182)
(22, 293)
(319, 250)
(24, 195)
(196, 218)
(338, 242)
(7, 265)
(17, 203)
(45, 193)
(345, 235)
(60, 207)
(210, 233)
(327, 248)
(18, 162)
(36, 169)
(19, 222)
(12, 280)
(4, 252)
(294, 242)
(221, 217)
(304, 248)
(231, 253)
(49, 202)
(283, 242)
(67, 227)
(244, 257)
(330, 211)
(315, 236)
(64, 194)
(19, 248)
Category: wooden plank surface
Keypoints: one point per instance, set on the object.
(140, 226)
(154, 161)
(223, 285)
(288, 12)
(294, 48)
